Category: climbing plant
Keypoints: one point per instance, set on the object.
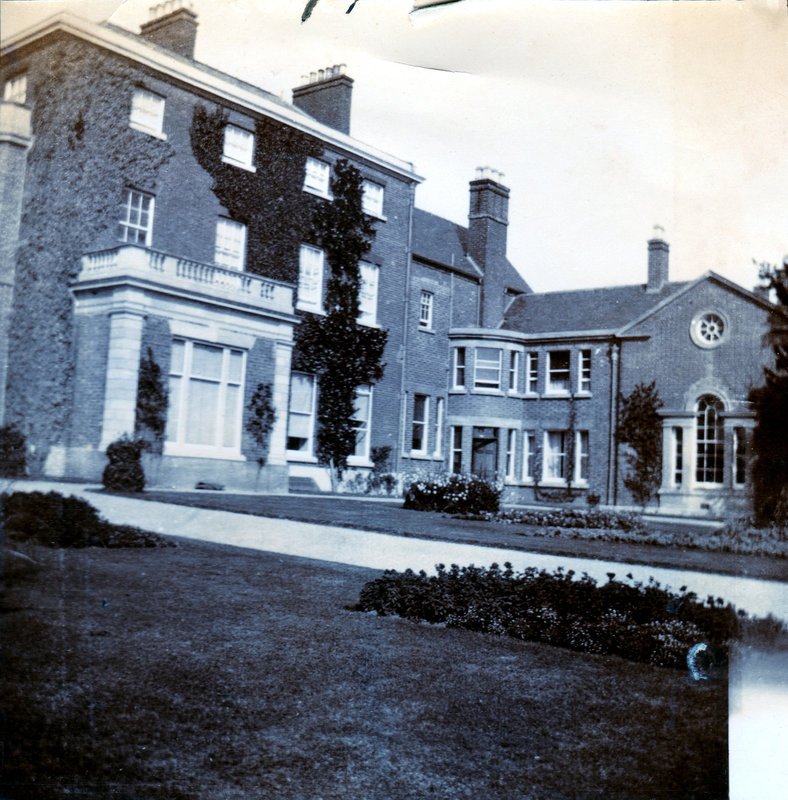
(270, 201)
(81, 99)
(342, 353)
(261, 419)
(640, 427)
(151, 416)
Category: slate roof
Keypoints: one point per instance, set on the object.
(445, 242)
(607, 308)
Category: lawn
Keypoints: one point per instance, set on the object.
(663, 545)
(204, 671)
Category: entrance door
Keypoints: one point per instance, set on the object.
(484, 460)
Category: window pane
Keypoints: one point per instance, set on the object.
(207, 362)
(301, 394)
(173, 408)
(235, 367)
(372, 198)
(147, 110)
(238, 145)
(368, 293)
(176, 359)
(230, 244)
(317, 176)
(231, 415)
(15, 90)
(202, 412)
(310, 278)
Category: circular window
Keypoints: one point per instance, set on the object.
(709, 329)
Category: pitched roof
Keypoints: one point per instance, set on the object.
(444, 242)
(607, 308)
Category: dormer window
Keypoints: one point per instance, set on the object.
(238, 147)
(317, 177)
(147, 112)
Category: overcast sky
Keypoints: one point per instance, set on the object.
(605, 117)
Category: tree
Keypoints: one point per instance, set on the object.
(151, 416)
(640, 427)
(342, 353)
(770, 404)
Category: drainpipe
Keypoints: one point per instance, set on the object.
(402, 398)
(612, 453)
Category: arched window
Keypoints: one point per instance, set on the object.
(709, 437)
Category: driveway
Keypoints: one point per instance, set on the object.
(381, 551)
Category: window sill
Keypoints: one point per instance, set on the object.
(556, 393)
(359, 461)
(458, 390)
(318, 193)
(150, 131)
(531, 396)
(559, 483)
(379, 217)
(241, 164)
(425, 329)
(584, 394)
(310, 308)
(368, 324)
(418, 455)
(202, 451)
(303, 458)
(488, 392)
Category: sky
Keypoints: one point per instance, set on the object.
(606, 118)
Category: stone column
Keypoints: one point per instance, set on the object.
(283, 352)
(123, 363)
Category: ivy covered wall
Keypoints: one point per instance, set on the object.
(271, 201)
(83, 156)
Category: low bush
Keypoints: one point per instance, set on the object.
(639, 622)
(13, 452)
(455, 494)
(124, 472)
(56, 521)
(575, 518)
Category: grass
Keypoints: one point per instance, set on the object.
(670, 545)
(204, 671)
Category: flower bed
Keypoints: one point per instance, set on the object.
(639, 622)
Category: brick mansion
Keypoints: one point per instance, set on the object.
(118, 239)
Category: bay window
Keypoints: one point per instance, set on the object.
(205, 399)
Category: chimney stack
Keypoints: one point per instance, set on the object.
(658, 250)
(172, 24)
(488, 219)
(326, 96)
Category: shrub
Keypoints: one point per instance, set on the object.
(639, 622)
(13, 452)
(56, 521)
(124, 472)
(456, 494)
